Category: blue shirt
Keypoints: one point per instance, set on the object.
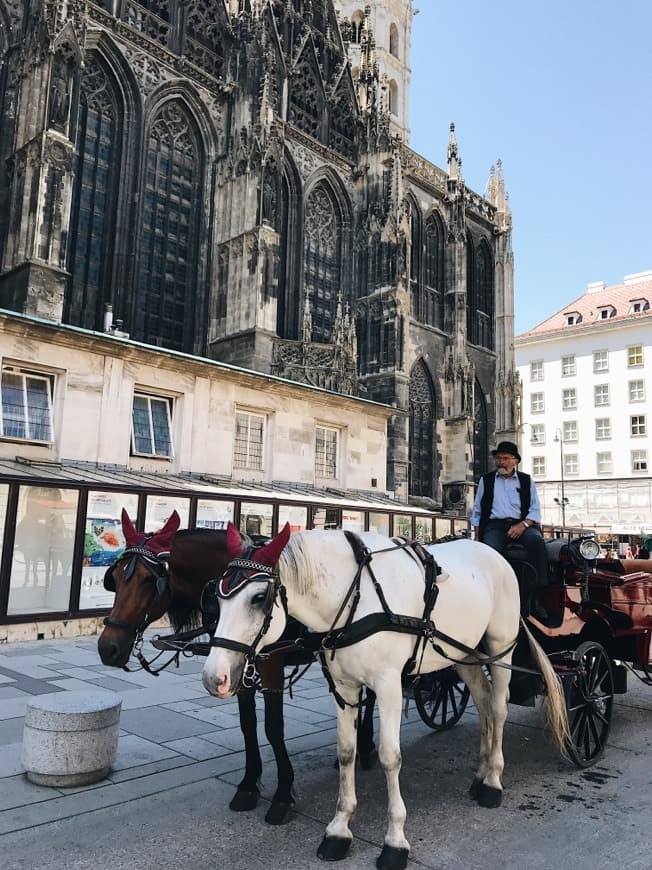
(507, 500)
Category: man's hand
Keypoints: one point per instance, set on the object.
(514, 532)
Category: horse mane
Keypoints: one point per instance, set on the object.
(182, 617)
(296, 565)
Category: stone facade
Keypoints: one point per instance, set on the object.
(210, 177)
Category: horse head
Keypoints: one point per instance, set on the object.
(140, 580)
(252, 611)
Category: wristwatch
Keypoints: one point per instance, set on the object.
(526, 524)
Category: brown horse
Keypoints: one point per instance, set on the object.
(165, 573)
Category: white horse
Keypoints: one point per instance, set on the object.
(477, 605)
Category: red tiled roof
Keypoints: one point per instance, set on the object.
(588, 306)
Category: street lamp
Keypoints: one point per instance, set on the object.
(563, 501)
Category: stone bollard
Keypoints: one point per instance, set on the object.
(71, 738)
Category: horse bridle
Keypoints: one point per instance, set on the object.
(275, 590)
(157, 565)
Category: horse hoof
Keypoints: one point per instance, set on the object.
(392, 858)
(244, 801)
(278, 813)
(474, 789)
(333, 848)
(489, 797)
(368, 760)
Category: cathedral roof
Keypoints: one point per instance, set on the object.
(601, 304)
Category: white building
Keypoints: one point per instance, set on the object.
(586, 408)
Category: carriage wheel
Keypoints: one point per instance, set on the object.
(589, 702)
(441, 698)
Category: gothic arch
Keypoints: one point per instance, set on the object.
(480, 433)
(433, 270)
(393, 97)
(393, 40)
(422, 431)
(416, 255)
(289, 310)
(357, 20)
(307, 100)
(168, 305)
(471, 300)
(104, 179)
(485, 296)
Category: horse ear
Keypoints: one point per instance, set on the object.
(234, 546)
(132, 537)
(169, 530)
(271, 553)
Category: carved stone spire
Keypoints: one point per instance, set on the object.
(454, 161)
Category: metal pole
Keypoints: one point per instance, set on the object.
(563, 494)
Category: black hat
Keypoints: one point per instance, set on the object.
(507, 447)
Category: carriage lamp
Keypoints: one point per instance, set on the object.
(589, 549)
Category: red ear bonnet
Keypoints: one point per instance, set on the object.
(132, 537)
(270, 553)
(161, 541)
(234, 546)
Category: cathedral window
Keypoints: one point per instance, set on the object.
(433, 308)
(168, 267)
(306, 103)
(92, 233)
(322, 258)
(422, 432)
(356, 27)
(393, 40)
(485, 297)
(393, 98)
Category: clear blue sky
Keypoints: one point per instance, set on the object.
(562, 93)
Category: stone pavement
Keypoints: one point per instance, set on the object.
(165, 803)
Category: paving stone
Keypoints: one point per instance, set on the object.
(134, 751)
(162, 726)
(153, 697)
(28, 666)
(18, 791)
(140, 770)
(12, 692)
(198, 748)
(11, 730)
(10, 763)
(222, 718)
(30, 684)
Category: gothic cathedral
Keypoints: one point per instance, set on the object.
(232, 179)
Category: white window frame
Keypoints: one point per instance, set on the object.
(637, 422)
(538, 466)
(573, 318)
(333, 472)
(604, 462)
(639, 461)
(639, 388)
(536, 370)
(571, 464)
(537, 433)
(160, 402)
(602, 428)
(634, 356)
(606, 312)
(24, 374)
(638, 305)
(600, 395)
(569, 399)
(600, 361)
(569, 434)
(536, 400)
(568, 366)
(249, 460)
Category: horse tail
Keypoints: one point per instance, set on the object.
(555, 701)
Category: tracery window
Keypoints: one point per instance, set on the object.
(433, 309)
(322, 257)
(93, 229)
(422, 432)
(306, 96)
(480, 434)
(168, 266)
(485, 316)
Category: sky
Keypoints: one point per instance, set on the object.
(561, 92)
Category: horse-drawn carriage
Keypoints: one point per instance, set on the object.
(599, 625)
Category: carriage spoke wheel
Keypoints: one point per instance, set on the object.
(441, 698)
(590, 704)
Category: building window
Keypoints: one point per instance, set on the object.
(637, 391)
(568, 366)
(537, 404)
(326, 452)
(639, 460)
(393, 98)
(26, 405)
(638, 305)
(151, 429)
(571, 463)
(600, 361)
(637, 425)
(573, 318)
(393, 40)
(602, 428)
(537, 433)
(635, 355)
(536, 370)
(607, 312)
(569, 399)
(601, 394)
(603, 463)
(249, 433)
(569, 430)
(538, 466)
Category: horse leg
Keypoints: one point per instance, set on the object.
(390, 703)
(338, 836)
(272, 675)
(247, 794)
(366, 748)
(480, 689)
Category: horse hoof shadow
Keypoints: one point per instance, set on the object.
(244, 801)
(485, 795)
(279, 813)
(333, 848)
(392, 858)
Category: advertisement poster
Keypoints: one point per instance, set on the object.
(103, 544)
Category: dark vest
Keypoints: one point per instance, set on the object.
(488, 497)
